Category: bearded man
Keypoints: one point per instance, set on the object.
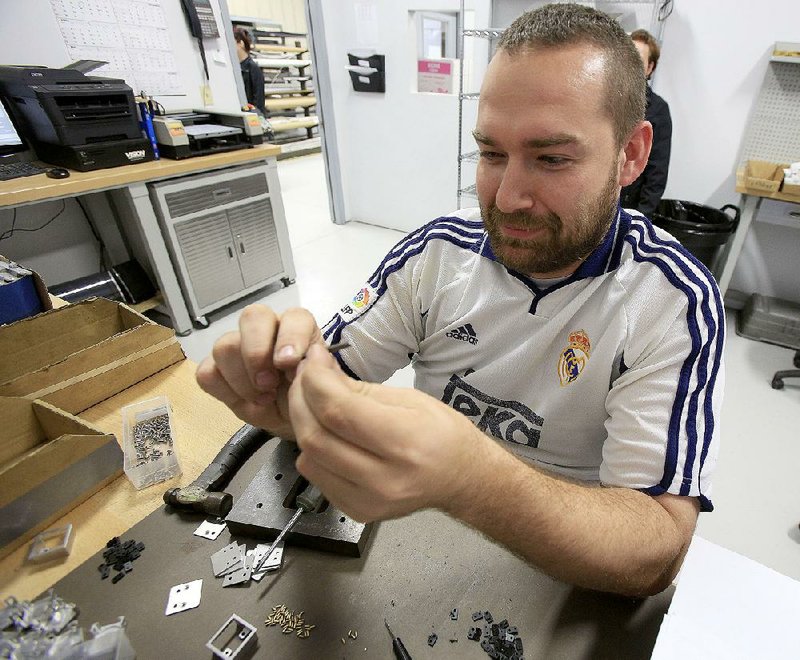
(568, 354)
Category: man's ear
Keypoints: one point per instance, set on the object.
(634, 155)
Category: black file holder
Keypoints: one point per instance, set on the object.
(370, 82)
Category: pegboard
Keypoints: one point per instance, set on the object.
(772, 133)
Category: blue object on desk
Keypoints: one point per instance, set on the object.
(146, 122)
(19, 299)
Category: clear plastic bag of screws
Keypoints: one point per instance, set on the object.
(148, 442)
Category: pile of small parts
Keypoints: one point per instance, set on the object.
(119, 556)
(289, 621)
(235, 563)
(501, 641)
(48, 628)
(152, 439)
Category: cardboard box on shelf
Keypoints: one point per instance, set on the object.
(50, 461)
(760, 177)
(78, 355)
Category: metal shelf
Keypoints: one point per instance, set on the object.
(487, 33)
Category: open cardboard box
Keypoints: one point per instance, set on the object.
(78, 355)
(760, 177)
(50, 461)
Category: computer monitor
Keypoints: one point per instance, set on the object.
(13, 147)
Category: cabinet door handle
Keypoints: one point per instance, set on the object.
(794, 214)
(221, 192)
(230, 252)
(241, 246)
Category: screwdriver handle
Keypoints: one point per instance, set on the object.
(399, 650)
(310, 499)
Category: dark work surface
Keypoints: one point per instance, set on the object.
(414, 572)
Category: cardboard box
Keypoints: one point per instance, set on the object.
(760, 177)
(78, 355)
(18, 301)
(50, 461)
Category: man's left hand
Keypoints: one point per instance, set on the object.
(378, 452)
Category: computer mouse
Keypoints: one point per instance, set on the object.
(57, 173)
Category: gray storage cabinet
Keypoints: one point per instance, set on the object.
(226, 234)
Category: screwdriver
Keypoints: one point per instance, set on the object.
(397, 645)
(309, 500)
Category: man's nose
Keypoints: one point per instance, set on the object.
(515, 190)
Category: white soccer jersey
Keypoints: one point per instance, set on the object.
(614, 374)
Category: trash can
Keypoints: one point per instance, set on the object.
(703, 230)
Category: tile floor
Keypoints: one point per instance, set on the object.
(757, 485)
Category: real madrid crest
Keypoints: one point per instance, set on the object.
(574, 357)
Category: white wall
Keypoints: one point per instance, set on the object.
(66, 249)
(398, 150)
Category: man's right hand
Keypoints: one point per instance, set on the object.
(250, 370)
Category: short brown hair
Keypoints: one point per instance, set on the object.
(646, 38)
(240, 34)
(557, 24)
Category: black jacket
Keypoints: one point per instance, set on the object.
(644, 194)
(253, 79)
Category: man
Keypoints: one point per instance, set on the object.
(645, 193)
(570, 353)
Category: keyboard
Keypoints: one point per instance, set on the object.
(16, 170)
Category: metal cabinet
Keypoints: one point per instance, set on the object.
(226, 234)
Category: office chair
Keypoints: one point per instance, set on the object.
(777, 379)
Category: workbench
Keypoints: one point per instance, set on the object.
(414, 571)
(128, 191)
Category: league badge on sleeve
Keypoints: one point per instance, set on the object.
(574, 357)
(360, 302)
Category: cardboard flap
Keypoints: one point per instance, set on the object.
(56, 423)
(46, 461)
(20, 431)
(67, 330)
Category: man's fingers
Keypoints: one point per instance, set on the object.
(297, 331)
(229, 363)
(329, 397)
(257, 329)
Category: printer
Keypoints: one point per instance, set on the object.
(199, 132)
(73, 120)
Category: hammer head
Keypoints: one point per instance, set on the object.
(194, 498)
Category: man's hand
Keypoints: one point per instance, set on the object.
(378, 452)
(250, 370)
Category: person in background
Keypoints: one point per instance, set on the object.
(645, 193)
(252, 76)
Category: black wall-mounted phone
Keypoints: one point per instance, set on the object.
(202, 22)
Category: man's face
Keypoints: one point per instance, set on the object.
(548, 175)
(644, 53)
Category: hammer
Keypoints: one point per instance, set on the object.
(203, 494)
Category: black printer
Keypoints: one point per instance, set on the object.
(74, 120)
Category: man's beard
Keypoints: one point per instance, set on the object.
(552, 251)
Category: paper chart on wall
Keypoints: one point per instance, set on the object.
(130, 35)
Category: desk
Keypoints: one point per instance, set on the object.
(129, 185)
(750, 204)
(414, 571)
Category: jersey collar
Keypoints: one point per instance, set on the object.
(604, 259)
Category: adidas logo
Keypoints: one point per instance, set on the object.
(464, 333)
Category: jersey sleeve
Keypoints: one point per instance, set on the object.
(664, 409)
(382, 323)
